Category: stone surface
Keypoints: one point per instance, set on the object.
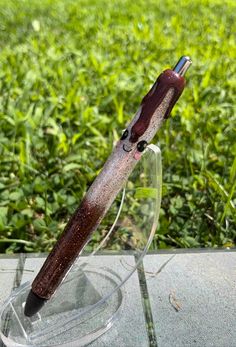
(8, 268)
(7, 275)
(193, 298)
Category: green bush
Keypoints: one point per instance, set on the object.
(72, 74)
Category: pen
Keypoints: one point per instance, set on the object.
(154, 109)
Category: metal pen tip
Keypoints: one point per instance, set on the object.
(182, 66)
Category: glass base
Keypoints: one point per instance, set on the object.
(80, 312)
(90, 298)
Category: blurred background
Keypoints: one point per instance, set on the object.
(72, 75)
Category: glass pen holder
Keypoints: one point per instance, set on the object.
(91, 297)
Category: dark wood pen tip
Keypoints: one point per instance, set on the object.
(33, 304)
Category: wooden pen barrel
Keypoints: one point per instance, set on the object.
(154, 109)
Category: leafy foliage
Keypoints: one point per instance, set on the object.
(73, 73)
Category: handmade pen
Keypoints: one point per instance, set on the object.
(154, 109)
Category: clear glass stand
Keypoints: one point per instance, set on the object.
(91, 297)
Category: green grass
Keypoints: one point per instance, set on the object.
(72, 74)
